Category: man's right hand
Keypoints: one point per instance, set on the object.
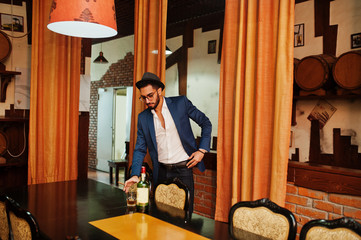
(130, 182)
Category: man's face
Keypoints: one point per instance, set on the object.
(150, 96)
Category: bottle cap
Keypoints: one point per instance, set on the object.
(143, 169)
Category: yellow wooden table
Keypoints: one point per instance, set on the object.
(143, 226)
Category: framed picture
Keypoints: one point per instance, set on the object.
(11, 22)
(212, 46)
(356, 40)
(299, 38)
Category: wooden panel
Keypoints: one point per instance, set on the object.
(326, 178)
(315, 142)
(83, 141)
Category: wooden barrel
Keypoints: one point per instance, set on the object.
(347, 70)
(314, 72)
(296, 61)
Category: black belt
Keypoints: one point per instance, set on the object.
(182, 164)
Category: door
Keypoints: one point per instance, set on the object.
(105, 128)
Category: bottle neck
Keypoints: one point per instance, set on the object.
(142, 177)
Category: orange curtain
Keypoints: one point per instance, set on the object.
(255, 102)
(149, 36)
(54, 101)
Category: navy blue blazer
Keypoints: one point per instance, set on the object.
(181, 110)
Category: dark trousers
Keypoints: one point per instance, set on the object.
(184, 174)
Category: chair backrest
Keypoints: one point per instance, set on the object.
(173, 192)
(4, 220)
(262, 217)
(342, 228)
(23, 224)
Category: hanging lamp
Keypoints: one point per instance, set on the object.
(83, 18)
(167, 51)
(100, 58)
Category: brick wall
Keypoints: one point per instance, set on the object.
(205, 192)
(119, 74)
(307, 204)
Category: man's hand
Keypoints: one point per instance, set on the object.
(195, 158)
(130, 182)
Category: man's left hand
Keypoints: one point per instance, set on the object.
(195, 158)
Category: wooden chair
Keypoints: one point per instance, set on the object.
(4, 220)
(23, 224)
(342, 228)
(173, 193)
(261, 217)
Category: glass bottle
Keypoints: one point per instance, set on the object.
(143, 192)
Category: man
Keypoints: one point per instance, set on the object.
(164, 129)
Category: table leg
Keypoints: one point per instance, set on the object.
(125, 173)
(111, 175)
(117, 176)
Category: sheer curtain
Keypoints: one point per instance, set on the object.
(255, 102)
(54, 101)
(149, 35)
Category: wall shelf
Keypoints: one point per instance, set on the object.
(5, 79)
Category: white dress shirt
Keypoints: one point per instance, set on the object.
(169, 145)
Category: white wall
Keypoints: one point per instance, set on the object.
(113, 51)
(203, 71)
(20, 56)
(203, 77)
(347, 15)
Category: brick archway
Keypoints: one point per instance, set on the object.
(118, 74)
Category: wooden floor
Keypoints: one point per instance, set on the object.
(103, 177)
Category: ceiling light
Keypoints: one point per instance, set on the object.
(87, 19)
(100, 58)
(167, 51)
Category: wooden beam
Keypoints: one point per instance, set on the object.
(323, 28)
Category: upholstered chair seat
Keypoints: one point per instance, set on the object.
(22, 223)
(20, 227)
(338, 229)
(261, 219)
(4, 223)
(321, 233)
(173, 193)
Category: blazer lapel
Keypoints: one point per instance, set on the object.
(173, 111)
(150, 122)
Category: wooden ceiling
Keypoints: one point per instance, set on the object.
(190, 14)
(207, 14)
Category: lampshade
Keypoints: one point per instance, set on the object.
(167, 51)
(100, 58)
(85, 18)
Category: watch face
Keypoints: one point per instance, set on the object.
(3, 143)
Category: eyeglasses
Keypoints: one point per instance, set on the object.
(149, 96)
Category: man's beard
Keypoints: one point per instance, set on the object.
(155, 103)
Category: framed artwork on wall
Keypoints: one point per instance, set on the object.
(212, 46)
(299, 32)
(10, 22)
(356, 40)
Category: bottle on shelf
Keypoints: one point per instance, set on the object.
(143, 192)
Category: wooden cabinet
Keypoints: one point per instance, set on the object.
(14, 171)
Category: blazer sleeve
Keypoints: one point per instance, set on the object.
(203, 122)
(140, 150)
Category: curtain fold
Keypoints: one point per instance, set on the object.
(255, 102)
(54, 101)
(149, 37)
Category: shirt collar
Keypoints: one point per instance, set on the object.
(164, 107)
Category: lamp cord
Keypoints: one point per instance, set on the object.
(15, 156)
